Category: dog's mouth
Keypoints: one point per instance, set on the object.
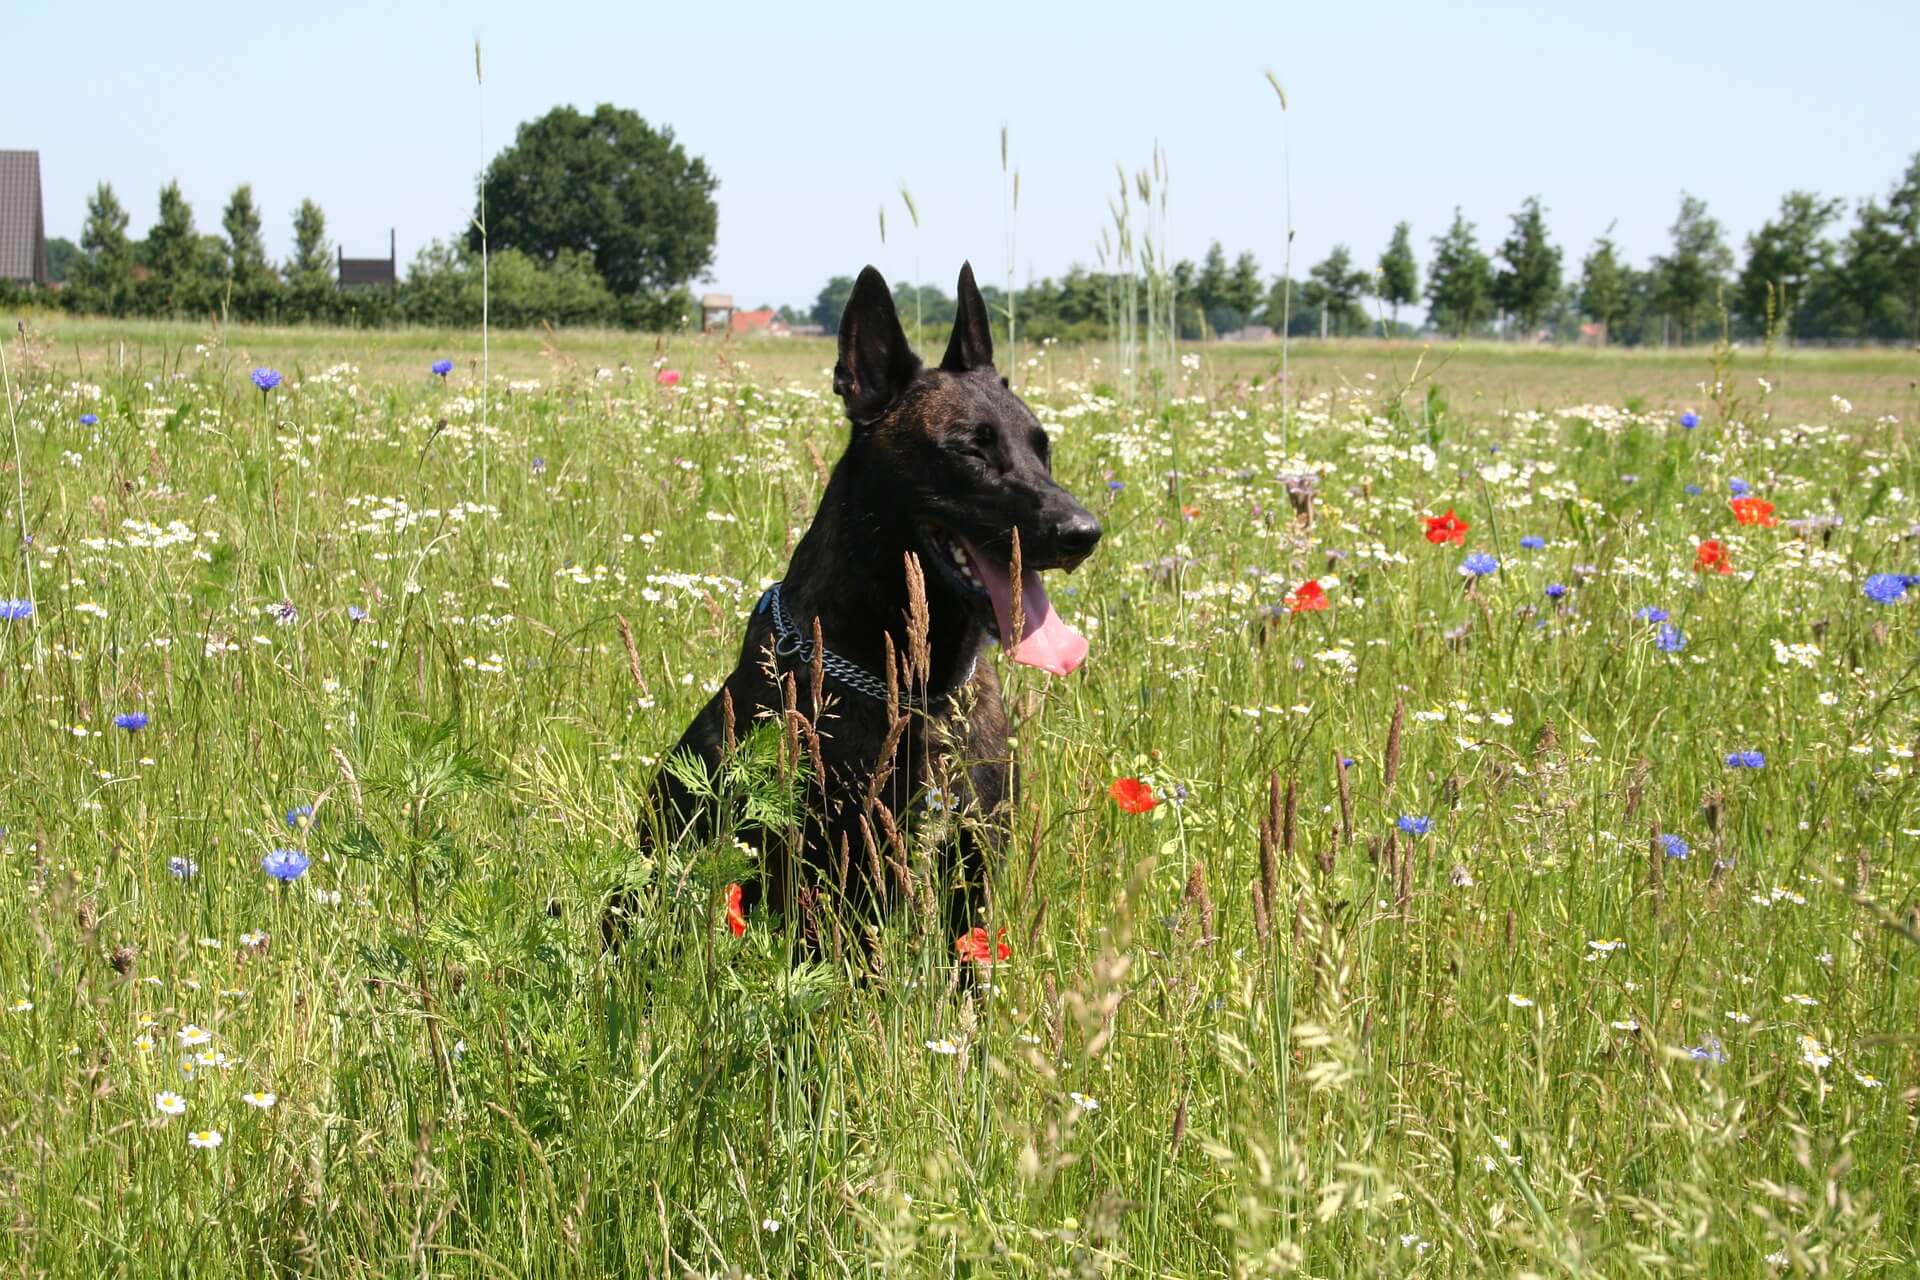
(985, 582)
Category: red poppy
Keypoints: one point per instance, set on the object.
(668, 377)
(1190, 512)
(1132, 795)
(736, 918)
(1754, 511)
(1308, 597)
(1712, 558)
(973, 945)
(1447, 528)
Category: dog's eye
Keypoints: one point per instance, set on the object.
(982, 439)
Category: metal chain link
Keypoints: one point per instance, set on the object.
(789, 643)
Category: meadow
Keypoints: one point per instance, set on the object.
(1533, 893)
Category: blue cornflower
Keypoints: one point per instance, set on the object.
(300, 816)
(1555, 590)
(1533, 542)
(356, 614)
(182, 868)
(1740, 488)
(1650, 613)
(1708, 1051)
(266, 379)
(286, 864)
(89, 419)
(1675, 847)
(131, 721)
(1670, 639)
(1692, 491)
(1689, 419)
(442, 367)
(1889, 588)
(1746, 760)
(1478, 564)
(539, 466)
(15, 610)
(1413, 824)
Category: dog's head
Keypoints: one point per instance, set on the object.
(969, 464)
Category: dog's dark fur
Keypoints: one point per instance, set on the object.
(947, 450)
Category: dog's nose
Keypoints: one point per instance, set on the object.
(1076, 535)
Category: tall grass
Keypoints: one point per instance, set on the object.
(1259, 1029)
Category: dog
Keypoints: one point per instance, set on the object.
(912, 554)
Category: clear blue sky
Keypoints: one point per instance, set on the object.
(813, 114)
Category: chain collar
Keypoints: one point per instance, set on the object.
(788, 642)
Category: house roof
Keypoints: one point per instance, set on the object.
(23, 228)
(758, 318)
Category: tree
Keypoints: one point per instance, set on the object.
(444, 283)
(103, 276)
(1399, 272)
(1210, 288)
(1690, 277)
(1460, 281)
(250, 280)
(609, 185)
(1529, 276)
(62, 253)
(1605, 288)
(1903, 215)
(831, 301)
(1242, 297)
(1784, 259)
(312, 261)
(1866, 283)
(180, 275)
(1335, 286)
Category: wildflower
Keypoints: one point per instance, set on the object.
(769, 1225)
(1814, 1054)
(169, 1103)
(944, 1046)
(1711, 556)
(1447, 528)
(1626, 1024)
(1478, 564)
(1739, 488)
(182, 868)
(1670, 639)
(1115, 486)
(1308, 597)
(284, 613)
(667, 377)
(442, 367)
(144, 1042)
(1735, 1015)
(21, 1005)
(191, 1036)
(1746, 760)
(736, 916)
(1532, 542)
(1132, 795)
(1709, 1051)
(15, 610)
(1802, 999)
(1755, 511)
(975, 946)
(1083, 1102)
(89, 419)
(1555, 590)
(254, 939)
(1881, 588)
(356, 614)
(260, 1098)
(131, 721)
(1519, 1001)
(266, 379)
(539, 466)
(205, 1139)
(1867, 1081)
(1689, 419)
(1651, 613)
(300, 817)
(1692, 490)
(286, 864)
(1675, 847)
(1413, 825)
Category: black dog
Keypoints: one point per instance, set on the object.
(943, 468)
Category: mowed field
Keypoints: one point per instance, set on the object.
(1543, 904)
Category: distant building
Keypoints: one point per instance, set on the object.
(759, 320)
(23, 223)
(1251, 333)
(716, 311)
(380, 272)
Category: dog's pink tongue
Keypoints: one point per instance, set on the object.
(1046, 641)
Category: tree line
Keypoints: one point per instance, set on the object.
(1801, 277)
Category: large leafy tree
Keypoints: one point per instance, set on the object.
(1460, 279)
(1336, 286)
(1243, 290)
(609, 185)
(1606, 287)
(1529, 277)
(1903, 217)
(831, 302)
(1690, 277)
(1399, 272)
(103, 275)
(1785, 259)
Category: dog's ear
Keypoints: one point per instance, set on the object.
(875, 364)
(971, 346)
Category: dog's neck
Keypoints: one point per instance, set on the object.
(849, 571)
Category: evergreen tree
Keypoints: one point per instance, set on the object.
(1529, 277)
(103, 275)
(310, 291)
(250, 280)
(1399, 272)
(1460, 281)
(1689, 279)
(180, 277)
